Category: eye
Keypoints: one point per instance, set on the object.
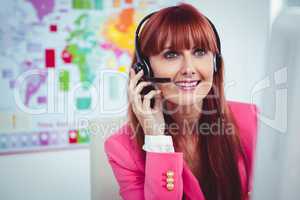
(170, 54)
(199, 52)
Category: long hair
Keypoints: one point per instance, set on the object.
(219, 153)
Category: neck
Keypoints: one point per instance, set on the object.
(186, 117)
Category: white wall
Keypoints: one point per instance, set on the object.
(104, 185)
(58, 175)
(243, 27)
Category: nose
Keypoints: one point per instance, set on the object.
(188, 67)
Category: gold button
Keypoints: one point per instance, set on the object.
(170, 173)
(170, 186)
(170, 180)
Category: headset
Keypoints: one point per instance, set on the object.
(143, 62)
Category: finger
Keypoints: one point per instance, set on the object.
(131, 73)
(135, 79)
(147, 98)
(130, 93)
(137, 103)
(138, 89)
(158, 100)
(140, 86)
(129, 87)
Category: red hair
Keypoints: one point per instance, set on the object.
(219, 173)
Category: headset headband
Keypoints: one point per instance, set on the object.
(137, 43)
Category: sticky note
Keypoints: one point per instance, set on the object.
(44, 138)
(3, 141)
(53, 28)
(50, 58)
(24, 140)
(73, 136)
(83, 136)
(34, 140)
(41, 99)
(66, 56)
(13, 141)
(64, 80)
(83, 103)
(7, 73)
(53, 138)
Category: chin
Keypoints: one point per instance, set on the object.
(185, 100)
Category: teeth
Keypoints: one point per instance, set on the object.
(187, 84)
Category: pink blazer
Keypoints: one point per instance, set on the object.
(140, 178)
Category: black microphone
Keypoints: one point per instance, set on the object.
(158, 80)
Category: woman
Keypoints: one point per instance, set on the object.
(191, 143)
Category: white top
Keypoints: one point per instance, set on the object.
(158, 143)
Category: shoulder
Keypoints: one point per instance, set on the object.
(246, 118)
(121, 136)
(245, 115)
(121, 147)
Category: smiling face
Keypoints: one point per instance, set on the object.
(180, 44)
(190, 69)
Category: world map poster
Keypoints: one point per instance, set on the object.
(63, 63)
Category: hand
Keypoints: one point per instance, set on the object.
(151, 119)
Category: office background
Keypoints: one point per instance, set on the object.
(64, 67)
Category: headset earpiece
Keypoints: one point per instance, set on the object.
(145, 66)
(217, 62)
(137, 67)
